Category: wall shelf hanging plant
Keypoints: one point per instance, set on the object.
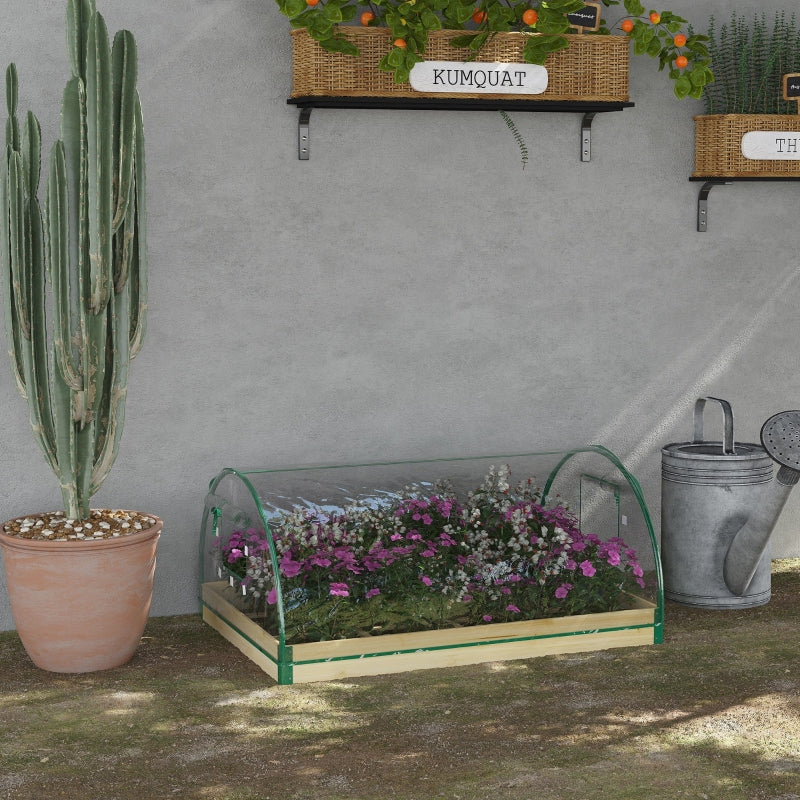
(556, 55)
(319, 573)
(751, 130)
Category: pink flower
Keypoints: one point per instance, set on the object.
(372, 593)
(487, 617)
(513, 609)
(587, 568)
(289, 567)
(637, 571)
(466, 598)
(340, 590)
(427, 519)
(428, 553)
(426, 580)
(272, 597)
(613, 558)
(563, 590)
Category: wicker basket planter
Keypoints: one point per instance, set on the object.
(592, 68)
(718, 146)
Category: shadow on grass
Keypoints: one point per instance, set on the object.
(714, 712)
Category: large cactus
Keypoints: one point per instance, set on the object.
(90, 243)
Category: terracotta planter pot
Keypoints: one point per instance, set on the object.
(81, 606)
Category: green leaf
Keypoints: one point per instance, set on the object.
(336, 44)
(634, 8)
(333, 13)
(463, 41)
(430, 20)
(395, 57)
(654, 48)
(294, 7)
(683, 86)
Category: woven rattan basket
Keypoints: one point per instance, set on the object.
(592, 68)
(718, 146)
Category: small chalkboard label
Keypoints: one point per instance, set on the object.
(791, 86)
(587, 19)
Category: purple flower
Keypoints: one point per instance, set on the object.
(587, 568)
(487, 617)
(289, 567)
(426, 580)
(340, 590)
(613, 558)
(272, 597)
(563, 590)
(427, 519)
(513, 609)
(372, 593)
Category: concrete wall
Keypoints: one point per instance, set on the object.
(410, 291)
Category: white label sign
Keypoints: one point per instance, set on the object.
(476, 77)
(772, 145)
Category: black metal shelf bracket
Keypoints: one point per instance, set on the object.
(702, 202)
(586, 136)
(710, 181)
(589, 109)
(303, 141)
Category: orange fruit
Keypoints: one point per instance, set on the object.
(655, 17)
(627, 25)
(679, 40)
(681, 62)
(530, 17)
(312, 2)
(399, 42)
(479, 16)
(367, 17)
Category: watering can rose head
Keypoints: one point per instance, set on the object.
(661, 35)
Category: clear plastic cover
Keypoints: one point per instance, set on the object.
(360, 550)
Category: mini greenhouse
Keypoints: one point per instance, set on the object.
(325, 572)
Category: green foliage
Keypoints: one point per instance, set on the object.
(410, 21)
(518, 138)
(90, 243)
(749, 63)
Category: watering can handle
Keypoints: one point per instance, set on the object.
(727, 413)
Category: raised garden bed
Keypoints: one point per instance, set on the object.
(600, 493)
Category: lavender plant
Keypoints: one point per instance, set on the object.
(749, 59)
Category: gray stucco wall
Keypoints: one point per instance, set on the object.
(410, 291)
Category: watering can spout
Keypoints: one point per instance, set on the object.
(780, 437)
(751, 541)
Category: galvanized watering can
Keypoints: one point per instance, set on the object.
(719, 506)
